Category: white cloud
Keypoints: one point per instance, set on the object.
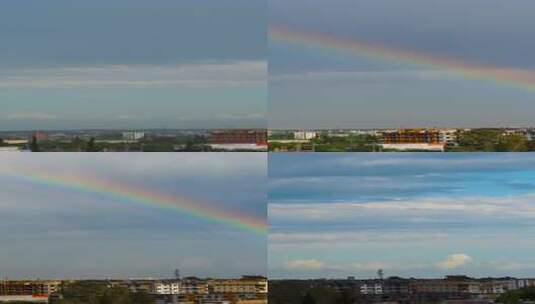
(341, 237)
(414, 210)
(454, 261)
(130, 116)
(30, 115)
(225, 74)
(368, 76)
(215, 165)
(304, 265)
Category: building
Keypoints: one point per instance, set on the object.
(41, 136)
(250, 285)
(10, 149)
(133, 136)
(34, 288)
(448, 136)
(239, 136)
(371, 288)
(434, 286)
(305, 135)
(395, 286)
(15, 141)
(180, 287)
(167, 288)
(24, 299)
(234, 147)
(411, 136)
(438, 147)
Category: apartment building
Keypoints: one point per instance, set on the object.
(372, 288)
(411, 136)
(180, 287)
(305, 135)
(251, 285)
(28, 287)
(167, 288)
(239, 136)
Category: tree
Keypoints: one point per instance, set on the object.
(308, 299)
(141, 298)
(91, 145)
(100, 293)
(34, 147)
(512, 143)
(347, 297)
(324, 295)
(484, 140)
(380, 274)
(517, 296)
(77, 143)
(116, 295)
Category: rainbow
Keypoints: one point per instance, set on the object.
(515, 77)
(145, 197)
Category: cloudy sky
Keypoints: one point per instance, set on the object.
(132, 64)
(318, 85)
(58, 231)
(421, 215)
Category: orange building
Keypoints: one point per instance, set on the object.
(239, 136)
(411, 136)
(29, 288)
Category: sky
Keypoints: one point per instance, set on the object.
(133, 64)
(413, 63)
(79, 215)
(413, 215)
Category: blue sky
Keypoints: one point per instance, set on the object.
(94, 235)
(312, 87)
(132, 63)
(421, 215)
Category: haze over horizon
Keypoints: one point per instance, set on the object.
(133, 64)
(424, 215)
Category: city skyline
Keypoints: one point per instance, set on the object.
(112, 216)
(372, 64)
(163, 64)
(413, 215)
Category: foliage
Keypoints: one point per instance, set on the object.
(91, 147)
(100, 293)
(491, 140)
(282, 136)
(34, 147)
(517, 296)
(301, 292)
(329, 143)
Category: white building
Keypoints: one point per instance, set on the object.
(239, 147)
(448, 136)
(15, 141)
(372, 288)
(166, 288)
(9, 149)
(133, 135)
(409, 147)
(305, 135)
